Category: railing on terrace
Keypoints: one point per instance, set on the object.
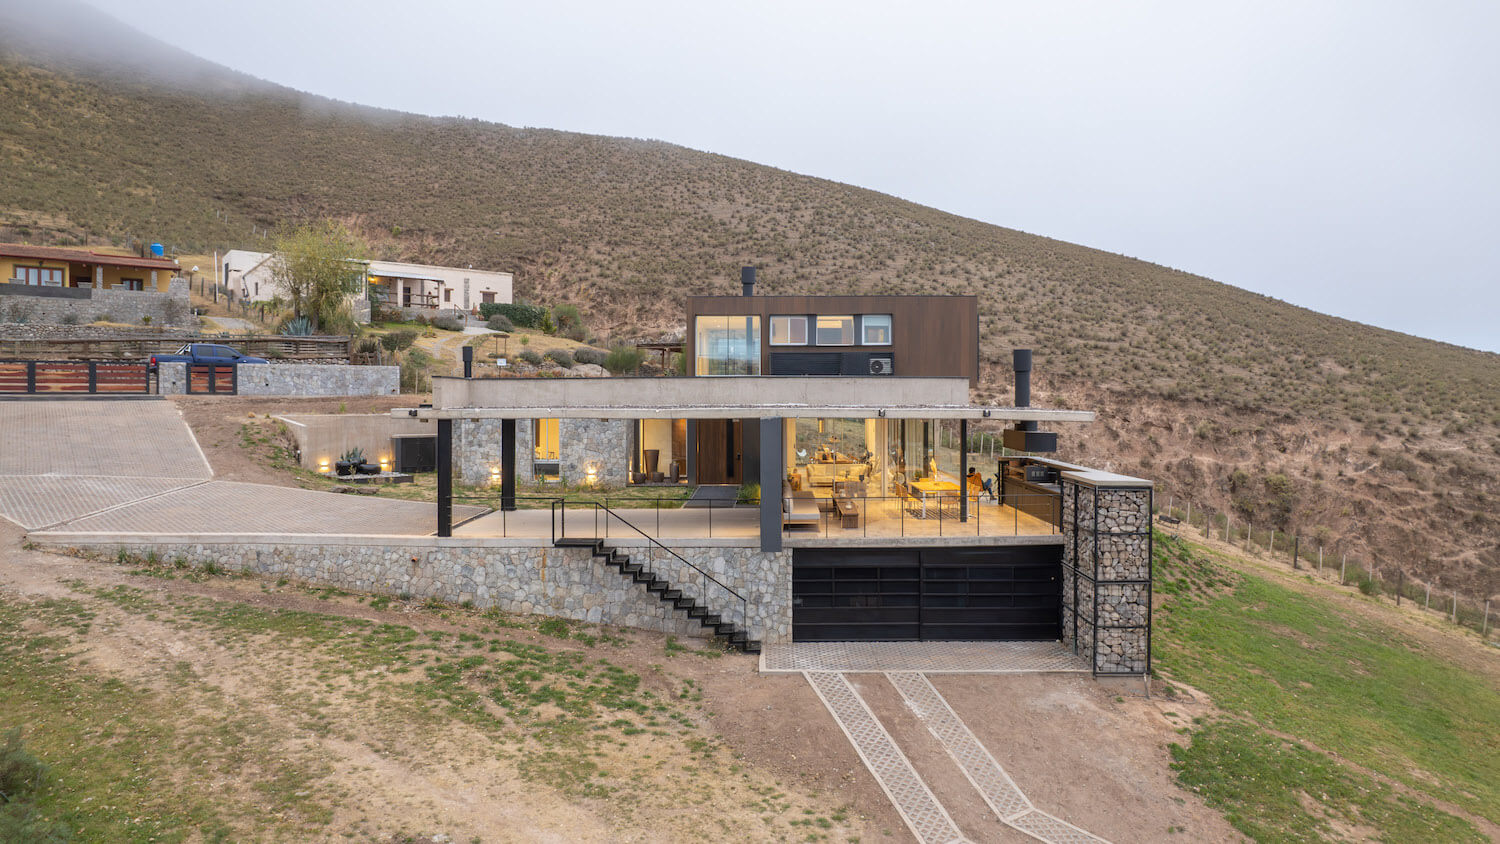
(666, 518)
(656, 553)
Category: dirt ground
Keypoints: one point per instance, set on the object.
(1049, 732)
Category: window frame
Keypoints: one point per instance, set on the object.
(864, 325)
(771, 339)
(818, 329)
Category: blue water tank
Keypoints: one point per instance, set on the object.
(157, 250)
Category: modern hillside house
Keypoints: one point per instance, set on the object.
(875, 521)
(419, 288)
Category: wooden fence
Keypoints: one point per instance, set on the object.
(273, 347)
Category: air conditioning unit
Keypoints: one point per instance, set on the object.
(882, 366)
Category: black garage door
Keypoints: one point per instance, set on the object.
(894, 594)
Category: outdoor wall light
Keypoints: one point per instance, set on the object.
(494, 474)
(591, 473)
(323, 465)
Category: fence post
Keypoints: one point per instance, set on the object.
(1400, 581)
(1428, 603)
(1296, 547)
(1455, 606)
(1320, 560)
(1271, 546)
(1189, 518)
(1343, 564)
(1485, 629)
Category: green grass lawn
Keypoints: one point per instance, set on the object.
(1286, 666)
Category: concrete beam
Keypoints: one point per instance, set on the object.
(743, 411)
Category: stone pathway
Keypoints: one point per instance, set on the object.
(919, 807)
(929, 657)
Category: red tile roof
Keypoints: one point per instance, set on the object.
(82, 256)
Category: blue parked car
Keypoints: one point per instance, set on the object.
(205, 353)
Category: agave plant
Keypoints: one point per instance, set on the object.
(297, 327)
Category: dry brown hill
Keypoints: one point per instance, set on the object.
(1386, 444)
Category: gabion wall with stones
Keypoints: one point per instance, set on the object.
(563, 582)
(605, 443)
(1107, 576)
(171, 309)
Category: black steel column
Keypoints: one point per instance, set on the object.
(692, 451)
(507, 464)
(468, 361)
(771, 456)
(445, 477)
(963, 470)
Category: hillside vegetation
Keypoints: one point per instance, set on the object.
(1386, 444)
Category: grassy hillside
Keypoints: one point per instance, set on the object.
(1388, 441)
(1338, 717)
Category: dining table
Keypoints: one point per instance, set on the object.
(929, 488)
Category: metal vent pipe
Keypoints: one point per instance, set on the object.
(747, 281)
(1021, 363)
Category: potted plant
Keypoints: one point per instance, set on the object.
(350, 461)
(368, 468)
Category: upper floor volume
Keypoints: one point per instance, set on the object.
(879, 335)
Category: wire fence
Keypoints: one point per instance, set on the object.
(1321, 557)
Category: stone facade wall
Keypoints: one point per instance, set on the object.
(1107, 576)
(318, 379)
(294, 379)
(564, 582)
(171, 309)
(602, 442)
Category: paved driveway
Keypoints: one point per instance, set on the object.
(133, 467)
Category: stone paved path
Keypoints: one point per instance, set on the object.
(914, 800)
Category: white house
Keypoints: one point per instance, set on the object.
(416, 287)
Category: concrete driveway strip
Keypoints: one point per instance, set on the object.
(99, 438)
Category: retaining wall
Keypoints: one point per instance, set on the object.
(296, 379)
(509, 575)
(84, 305)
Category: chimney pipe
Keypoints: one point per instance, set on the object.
(747, 281)
(1021, 363)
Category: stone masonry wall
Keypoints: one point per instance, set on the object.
(1108, 539)
(318, 379)
(564, 582)
(603, 442)
(294, 379)
(133, 306)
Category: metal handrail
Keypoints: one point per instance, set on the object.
(609, 513)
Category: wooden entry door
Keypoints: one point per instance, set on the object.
(719, 458)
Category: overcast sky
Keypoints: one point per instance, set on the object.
(1339, 155)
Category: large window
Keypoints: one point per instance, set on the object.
(835, 331)
(789, 331)
(875, 329)
(545, 442)
(40, 276)
(727, 345)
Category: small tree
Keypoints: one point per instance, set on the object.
(317, 266)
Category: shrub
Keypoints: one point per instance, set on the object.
(70, 319)
(562, 357)
(401, 339)
(567, 317)
(448, 323)
(414, 371)
(367, 345)
(500, 322)
(576, 333)
(97, 318)
(623, 359)
(594, 356)
(519, 313)
(531, 357)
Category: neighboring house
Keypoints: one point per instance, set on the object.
(46, 284)
(414, 287)
(50, 266)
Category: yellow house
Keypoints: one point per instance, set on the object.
(49, 266)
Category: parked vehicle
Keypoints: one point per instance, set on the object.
(205, 353)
